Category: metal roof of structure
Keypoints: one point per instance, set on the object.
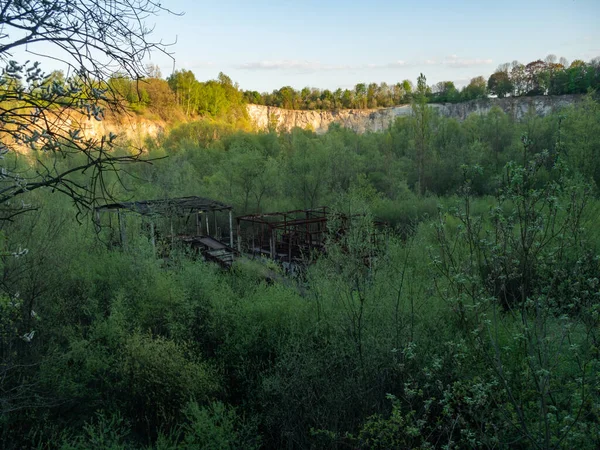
(297, 215)
(167, 206)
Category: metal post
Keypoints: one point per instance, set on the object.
(207, 226)
(216, 228)
(239, 237)
(289, 235)
(122, 230)
(152, 236)
(230, 229)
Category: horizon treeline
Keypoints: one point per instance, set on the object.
(551, 76)
(182, 96)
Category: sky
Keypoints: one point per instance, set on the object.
(264, 45)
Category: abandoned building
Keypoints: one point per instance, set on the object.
(284, 236)
(194, 221)
(292, 238)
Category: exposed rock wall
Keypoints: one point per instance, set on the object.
(128, 127)
(136, 129)
(362, 120)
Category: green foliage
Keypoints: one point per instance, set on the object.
(536, 78)
(469, 321)
(445, 92)
(477, 88)
(159, 377)
(579, 139)
(106, 432)
(519, 262)
(216, 427)
(500, 84)
(219, 99)
(544, 78)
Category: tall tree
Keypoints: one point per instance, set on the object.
(421, 115)
(444, 91)
(348, 99)
(372, 91)
(477, 88)
(360, 95)
(186, 87)
(407, 88)
(327, 99)
(499, 84)
(338, 98)
(289, 97)
(518, 78)
(535, 82)
(384, 95)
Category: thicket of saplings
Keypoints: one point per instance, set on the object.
(473, 324)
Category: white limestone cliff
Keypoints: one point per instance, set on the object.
(363, 120)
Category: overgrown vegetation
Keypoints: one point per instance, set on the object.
(473, 324)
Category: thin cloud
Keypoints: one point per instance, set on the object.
(461, 63)
(315, 66)
(189, 65)
(392, 65)
(592, 54)
(312, 66)
(396, 64)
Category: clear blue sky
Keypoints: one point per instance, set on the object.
(264, 45)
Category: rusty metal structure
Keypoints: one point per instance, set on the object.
(292, 238)
(192, 220)
(284, 236)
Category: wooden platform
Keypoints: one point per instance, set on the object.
(212, 249)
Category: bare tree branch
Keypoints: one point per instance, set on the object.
(40, 126)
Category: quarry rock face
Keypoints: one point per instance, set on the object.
(130, 128)
(363, 120)
(136, 129)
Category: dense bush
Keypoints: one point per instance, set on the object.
(470, 322)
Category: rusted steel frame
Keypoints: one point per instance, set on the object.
(309, 224)
(250, 220)
(167, 206)
(295, 222)
(273, 214)
(178, 212)
(289, 235)
(122, 230)
(283, 213)
(287, 213)
(230, 229)
(215, 222)
(239, 234)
